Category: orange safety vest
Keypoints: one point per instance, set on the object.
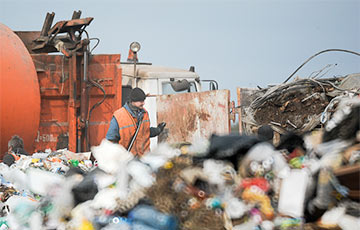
(16, 157)
(127, 129)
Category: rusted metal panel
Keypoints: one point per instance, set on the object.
(70, 25)
(59, 81)
(106, 71)
(28, 38)
(193, 115)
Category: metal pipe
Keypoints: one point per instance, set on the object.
(135, 57)
(85, 64)
(84, 101)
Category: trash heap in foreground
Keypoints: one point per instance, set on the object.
(307, 181)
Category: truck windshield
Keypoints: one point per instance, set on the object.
(167, 89)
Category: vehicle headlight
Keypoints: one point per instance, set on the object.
(135, 47)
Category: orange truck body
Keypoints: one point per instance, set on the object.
(41, 96)
(60, 90)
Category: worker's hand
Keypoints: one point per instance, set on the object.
(161, 126)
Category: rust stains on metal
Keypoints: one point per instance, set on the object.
(49, 39)
(191, 123)
(191, 115)
(204, 116)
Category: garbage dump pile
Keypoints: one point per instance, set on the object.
(231, 182)
(300, 105)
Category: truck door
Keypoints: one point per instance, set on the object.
(193, 115)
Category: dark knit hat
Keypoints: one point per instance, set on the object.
(137, 94)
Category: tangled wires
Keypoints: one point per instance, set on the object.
(295, 106)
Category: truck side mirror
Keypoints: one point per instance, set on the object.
(212, 86)
(180, 85)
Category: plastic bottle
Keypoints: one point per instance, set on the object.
(150, 217)
(141, 226)
(74, 163)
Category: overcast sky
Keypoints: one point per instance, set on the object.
(237, 43)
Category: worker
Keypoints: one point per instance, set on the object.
(15, 150)
(128, 119)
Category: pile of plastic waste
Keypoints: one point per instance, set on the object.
(232, 182)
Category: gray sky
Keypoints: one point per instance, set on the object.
(237, 43)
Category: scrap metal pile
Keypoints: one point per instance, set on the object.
(226, 182)
(300, 105)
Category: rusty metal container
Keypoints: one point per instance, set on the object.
(19, 91)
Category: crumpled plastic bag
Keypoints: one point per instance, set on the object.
(110, 156)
